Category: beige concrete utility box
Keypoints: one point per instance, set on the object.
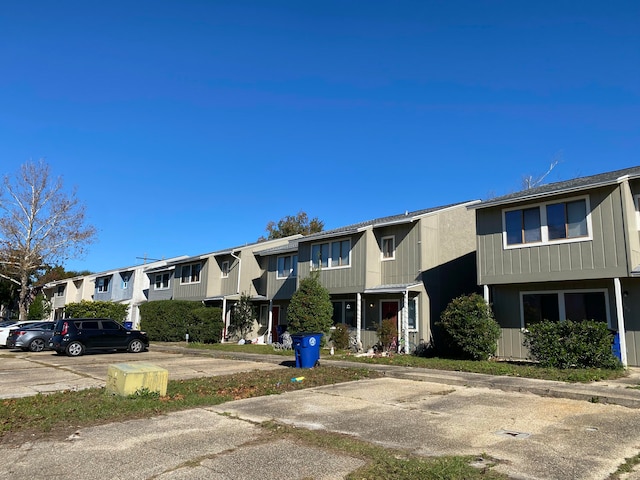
(127, 378)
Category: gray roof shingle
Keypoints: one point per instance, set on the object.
(575, 184)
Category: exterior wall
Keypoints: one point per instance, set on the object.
(632, 220)
(118, 293)
(338, 280)
(191, 291)
(405, 267)
(603, 256)
(279, 288)
(104, 296)
(507, 311)
(163, 293)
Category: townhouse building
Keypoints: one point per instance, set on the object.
(404, 267)
(566, 250)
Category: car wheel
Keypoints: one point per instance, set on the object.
(135, 346)
(36, 345)
(75, 349)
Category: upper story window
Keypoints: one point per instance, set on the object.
(636, 200)
(191, 273)
(547, 223)
(331, 254)
(225, 269)
(103, 284)
(126, 278)
(287, 266)
(388, 248)
(162, 281)
(60, 291)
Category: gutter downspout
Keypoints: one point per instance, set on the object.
(239, 270)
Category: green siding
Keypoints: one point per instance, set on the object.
(602, 256)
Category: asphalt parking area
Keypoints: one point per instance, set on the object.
(26, 373)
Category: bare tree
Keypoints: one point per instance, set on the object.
(529, 181)
(40, 224)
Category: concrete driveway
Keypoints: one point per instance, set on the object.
(532, 437)
(25, 373)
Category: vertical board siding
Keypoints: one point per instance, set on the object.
(404, 267)
(603, 255)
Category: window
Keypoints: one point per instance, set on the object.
(636, 200)
(224, 268)
(576, 305)
(191, 273)
(287, 266)
(344, 311)
(331, 254)
(388, 248)
(547, 223)
(60, 291)
(413, 314)
(162, 281)
(125, 280)
(103, 284)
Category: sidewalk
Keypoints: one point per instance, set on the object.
(615, 392)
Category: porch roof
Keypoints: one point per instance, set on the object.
(395, 288)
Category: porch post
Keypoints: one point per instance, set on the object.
(620, 315)
(270, 322)
(224, 320)
(485, 289)
(405, 321)
(358, 316)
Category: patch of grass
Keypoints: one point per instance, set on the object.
(63, 410)
(627, 467)
(490, 367)
(391, 464)
(493, 367)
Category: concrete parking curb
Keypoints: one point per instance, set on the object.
(615, 392)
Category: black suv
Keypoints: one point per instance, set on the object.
(75, 336)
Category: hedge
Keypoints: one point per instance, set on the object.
(171, 320)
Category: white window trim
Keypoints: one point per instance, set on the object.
(190, 282)
(329, 267)
(224, 272)
(102, 288)
(393, 251)
(544, 231)
(155, 283)
(417, 327)
(291, 270)
(561, 307)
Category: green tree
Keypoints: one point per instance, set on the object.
(243, 316)
(292, 225)
(310, 309)
(87, 309)
(40, 224)
(39, 308)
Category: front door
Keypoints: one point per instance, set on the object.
(275, 320)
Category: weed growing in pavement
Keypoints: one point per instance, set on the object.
(389, 463)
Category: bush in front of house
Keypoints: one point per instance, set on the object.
(340, 337)
(387, 333)
(569, 344)
(470, 331)
(171, 320)
(97, 309)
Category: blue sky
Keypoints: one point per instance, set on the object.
(187, 126)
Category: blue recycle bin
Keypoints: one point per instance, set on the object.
(306, 347)
(615, 348)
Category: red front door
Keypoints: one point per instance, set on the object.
(390, 311)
